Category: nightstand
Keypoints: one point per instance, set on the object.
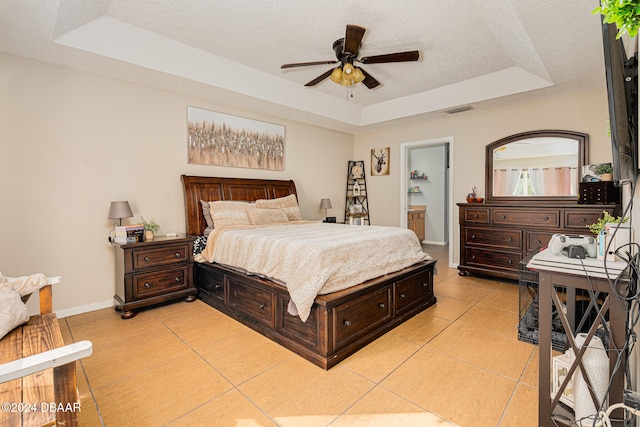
(153, 272)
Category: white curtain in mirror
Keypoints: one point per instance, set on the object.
(559, 181)
(505, 181)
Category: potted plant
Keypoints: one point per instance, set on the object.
(624, 13)
(471, 197)
(150, 227)
(598, 226)
(604, 170)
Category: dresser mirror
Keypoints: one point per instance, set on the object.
(535, 166)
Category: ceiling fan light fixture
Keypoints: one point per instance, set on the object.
(348, 70)
(336, 75)
(358, 76)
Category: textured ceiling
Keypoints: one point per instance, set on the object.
(471, 53)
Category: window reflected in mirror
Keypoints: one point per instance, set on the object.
(536, 167)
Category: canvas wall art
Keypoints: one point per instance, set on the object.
(380, 161)
(225, 140)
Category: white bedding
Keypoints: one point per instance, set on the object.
(313, 258)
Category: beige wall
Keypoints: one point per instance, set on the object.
(584, 111)
(72, 142)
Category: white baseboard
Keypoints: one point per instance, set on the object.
(84, 309)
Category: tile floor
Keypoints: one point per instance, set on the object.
(457, 363)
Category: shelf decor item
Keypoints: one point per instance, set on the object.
(150, 227)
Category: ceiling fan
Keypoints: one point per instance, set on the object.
(346, 50)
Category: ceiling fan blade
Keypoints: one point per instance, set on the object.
(369, 81)
(304, 64)
(352, 39)
(413, 55)
(320, 78)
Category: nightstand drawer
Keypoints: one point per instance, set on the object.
(159, 282)
(145, 258)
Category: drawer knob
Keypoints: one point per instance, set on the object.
(510, 261)
(510, 239)
(177, 254)
(147, 259)
(538, 242)
(261, 307)
(425, 284)
(504, 217)
(546, 218)
(177, 279)
(403, 296)
(473, 236)
(473, 257)
(382, 305)
(583, 219)
(475, 215)
(147, 285)
(347, 322)
(217, 286)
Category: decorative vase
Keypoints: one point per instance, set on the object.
(606, 177)
(148, 234)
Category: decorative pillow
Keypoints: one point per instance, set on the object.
(225, 213)
(259, 216)
(24, 285)
(288, 204)
(13, 312)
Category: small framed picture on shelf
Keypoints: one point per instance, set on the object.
(355, 208)
(561, 366)
(356, 221)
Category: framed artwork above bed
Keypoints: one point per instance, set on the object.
(219, 139)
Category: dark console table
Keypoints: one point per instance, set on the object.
(550, 412)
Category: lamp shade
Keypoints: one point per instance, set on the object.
(325, 204)
(119, 210)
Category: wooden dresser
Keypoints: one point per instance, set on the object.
(494, 238)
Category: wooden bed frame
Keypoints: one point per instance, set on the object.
(340, 323)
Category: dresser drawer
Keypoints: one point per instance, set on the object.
(509, 239)
(580, 219)
(251, 300)
(160, 282)
(355, 318)
(537, 239)
(524, 218)
(410, 292)
(492, 259)
(146, 258)
(475, 215)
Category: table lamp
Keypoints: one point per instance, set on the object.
(119, 210)
(325, 204)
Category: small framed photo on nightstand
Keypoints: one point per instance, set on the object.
(561, 366)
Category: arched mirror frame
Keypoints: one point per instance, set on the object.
(583, 147)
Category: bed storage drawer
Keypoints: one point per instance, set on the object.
(411, 292)
(353, 319)
(251, 300)
(211, 282)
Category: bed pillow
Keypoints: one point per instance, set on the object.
(13, 312)
(225, 213)
(288, 204)
(206, 212)
(259, 216)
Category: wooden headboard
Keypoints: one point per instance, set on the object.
(206, 188)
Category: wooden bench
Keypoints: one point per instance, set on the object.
(38, 372)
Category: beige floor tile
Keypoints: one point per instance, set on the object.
(206, 328)
(297, 393)
(381, 357)
(421, 328)
(459, 291)
(503, 300)
(88, 415)
(480, 347)
(475, 281)
(523, 408)
(243, 356)
(231, 409)
(530, 375)
(455, 390)
(492, 319)
(449, 308)
(130, 355)
(381, 408)
(162, 393)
